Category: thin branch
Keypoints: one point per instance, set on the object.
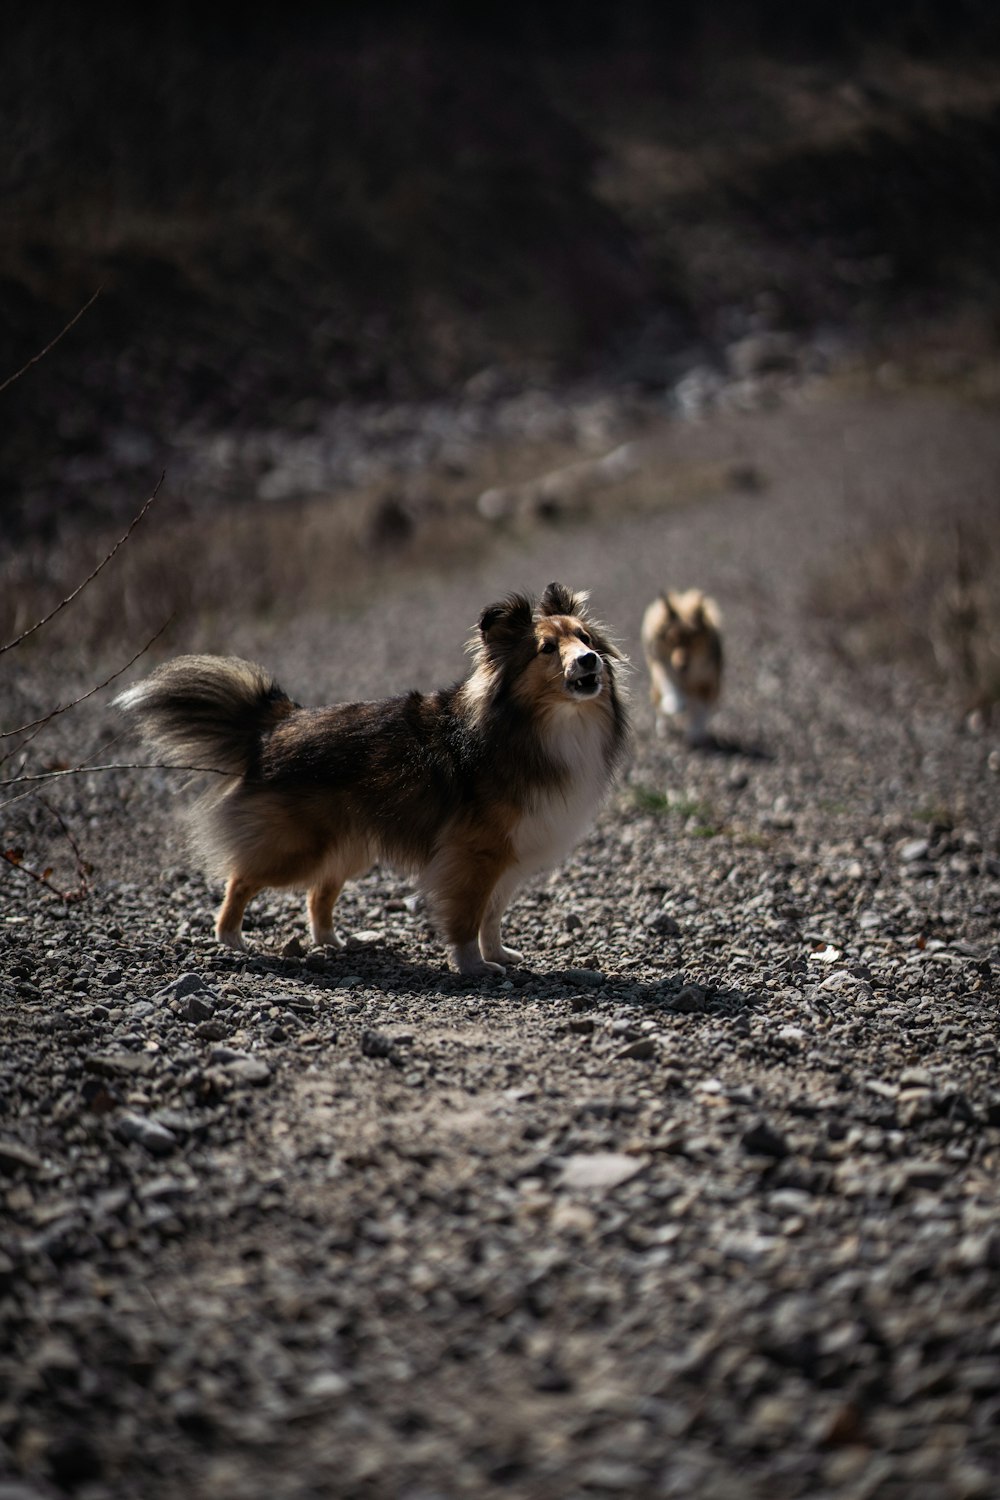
(90, 577)
(43, 879)
(15, 864)
(50, 346)
(114, 766)
(15, 859)
(82, 869)
(37, 724)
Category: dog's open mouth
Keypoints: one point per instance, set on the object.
(584, 686)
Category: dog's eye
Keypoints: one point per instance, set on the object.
(547, 647)
(584, 637)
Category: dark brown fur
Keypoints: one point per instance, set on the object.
(683, 646)
(448, 784)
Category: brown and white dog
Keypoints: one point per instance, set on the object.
(473, 788)
(681, 637)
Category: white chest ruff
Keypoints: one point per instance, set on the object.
(554, 822)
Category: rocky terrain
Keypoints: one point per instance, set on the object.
(700, 1201)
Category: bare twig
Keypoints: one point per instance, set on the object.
(50, 346)
(114, 766)
(42, 879)
(39, 724)
(12, 858)
(90, 576)
(15, 859)
(82, 868)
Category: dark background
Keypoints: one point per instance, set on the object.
(297, 206)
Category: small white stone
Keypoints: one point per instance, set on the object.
(599, 1169)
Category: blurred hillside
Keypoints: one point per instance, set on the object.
(291, 210)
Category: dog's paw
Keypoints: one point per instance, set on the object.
(325, 937)
(502, 955)
(469, 961)
(231, 939)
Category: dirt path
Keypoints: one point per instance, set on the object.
(700, 1202)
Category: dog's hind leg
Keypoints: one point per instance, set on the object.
(229, 922)
(490, 944)
(321, 900)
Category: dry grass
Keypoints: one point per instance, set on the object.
(274, 560)
(928, 595)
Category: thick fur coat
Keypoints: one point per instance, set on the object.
(473, 788)
(682, 642)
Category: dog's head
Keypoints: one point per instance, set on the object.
(683, 634)
(550, 652)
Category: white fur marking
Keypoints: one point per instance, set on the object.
(546, 834)
(672, 700)
(490, 941)
(325, 937)
(468, 960)
(132, 695)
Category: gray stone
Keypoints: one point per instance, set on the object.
(119, 1064)
(182, 986)
(663, 924)
(931, 1175)
(582, 977)
(198, 1006)
(15, 1157)
(763, 1139)
(599, 1170)
(156, 1139)
(251, 1070)
(761, 354)
(642, 1049)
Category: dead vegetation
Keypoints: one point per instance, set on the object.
(927, 596)
(381, 214)
(274, 559)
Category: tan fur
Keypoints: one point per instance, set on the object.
(472, 789)
(682, 641)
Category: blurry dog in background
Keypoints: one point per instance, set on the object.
(473, 788)
(682, 641)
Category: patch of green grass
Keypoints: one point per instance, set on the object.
(651, 800)
(705, 830)
(751, 838)
(648, 800)
(934, 812)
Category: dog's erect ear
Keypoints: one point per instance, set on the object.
(557, 600)
(509, 617)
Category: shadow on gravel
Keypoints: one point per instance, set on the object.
(721, 745)
(584, 989)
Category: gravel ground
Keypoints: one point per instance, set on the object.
(701, 1201)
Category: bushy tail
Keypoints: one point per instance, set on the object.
(207, 712)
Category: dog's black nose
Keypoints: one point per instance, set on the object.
(587, 662)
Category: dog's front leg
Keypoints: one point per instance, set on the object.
(490, 943)
(460, 882)
(696, 731)
(468, 959)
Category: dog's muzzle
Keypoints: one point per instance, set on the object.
(583, 675)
